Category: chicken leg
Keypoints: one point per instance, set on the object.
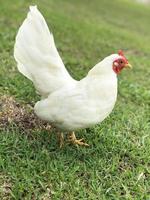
(61, 139)
(72, 139)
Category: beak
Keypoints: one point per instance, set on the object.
(128, 65)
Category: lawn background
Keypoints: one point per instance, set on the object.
(117, 163)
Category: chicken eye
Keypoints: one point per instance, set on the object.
(121, 62)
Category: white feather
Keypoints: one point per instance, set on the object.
(37, 56)
(81, 105)
(66, 103)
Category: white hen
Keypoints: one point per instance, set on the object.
(65, 102)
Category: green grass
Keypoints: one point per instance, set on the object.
(117, 163)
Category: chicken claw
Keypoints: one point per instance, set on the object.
(72, 139)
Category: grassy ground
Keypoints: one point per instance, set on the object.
(117, 163)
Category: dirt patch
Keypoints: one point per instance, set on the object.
(22, 116)
(47, 195)
(5, 187)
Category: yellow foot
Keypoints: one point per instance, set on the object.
(61, 139)
(72, 139)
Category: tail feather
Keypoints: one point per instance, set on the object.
(36, 54)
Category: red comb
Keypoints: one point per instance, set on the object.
(120, 53)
